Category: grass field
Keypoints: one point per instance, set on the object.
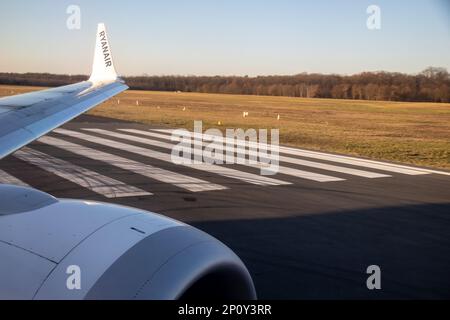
(415, 133)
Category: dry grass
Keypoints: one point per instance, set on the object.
(415, 133)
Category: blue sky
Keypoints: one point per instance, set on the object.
(227, 37)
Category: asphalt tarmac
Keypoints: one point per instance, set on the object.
(309, 232)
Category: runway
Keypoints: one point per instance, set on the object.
(309, 232)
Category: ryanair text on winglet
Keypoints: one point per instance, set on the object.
(105, 47)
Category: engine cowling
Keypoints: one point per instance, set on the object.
(119, 253)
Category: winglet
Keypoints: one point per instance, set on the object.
(103, 68)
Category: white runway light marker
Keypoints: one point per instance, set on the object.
(6, 178)
(179, 180)
(86, 178)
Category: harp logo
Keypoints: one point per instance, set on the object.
(106, 50)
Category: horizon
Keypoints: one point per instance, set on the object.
(239, 76)
(282, 38)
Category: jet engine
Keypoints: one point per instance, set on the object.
(68, 249)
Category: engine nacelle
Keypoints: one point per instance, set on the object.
(118, 253)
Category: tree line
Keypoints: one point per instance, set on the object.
(431, 85)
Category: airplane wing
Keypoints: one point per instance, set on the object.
(25, 118)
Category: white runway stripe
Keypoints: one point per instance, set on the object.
(6, 178)
(179, 180)
(88, 179)
(323, 166)
(227, 172)
(383, 166)
(283, 170)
